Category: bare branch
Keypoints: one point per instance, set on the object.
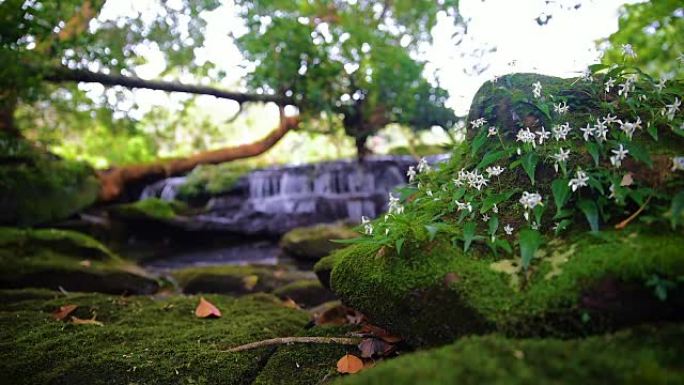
(298, 340)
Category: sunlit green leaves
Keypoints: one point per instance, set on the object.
(529, 241)
(529, 164)
(468, 235)
(590, 210)
(561, 193)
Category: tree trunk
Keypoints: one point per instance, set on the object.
(115, 181)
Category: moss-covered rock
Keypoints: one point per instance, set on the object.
(306, 292)
(50, 258)
(210, 180)
(235, 280)
(36, 187)
(142, 340)
(153, 209)
(323, 268)
(647, 355)
(587, 284)
(306, 364)
(314, 242)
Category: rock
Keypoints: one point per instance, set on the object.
(579, 287)
(305, 364)
(37, 187)
(306, 293)
(646, 355)
(53, 259)
(235, 280)
(323, 268)
(142, 340)
(314, 242)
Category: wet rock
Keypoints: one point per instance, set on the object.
(306, 293)
(235, 280)
(315, 242)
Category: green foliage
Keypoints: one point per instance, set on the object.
(529, 241)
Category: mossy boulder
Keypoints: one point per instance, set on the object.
(143, 340)
(235, 280)
(53, 259)
(306, 293)
(315, 242)
(206, 181)
(37, 187)
(323, 268)
(587, 284)
(306, 364)
(647, 355)
(152, 209)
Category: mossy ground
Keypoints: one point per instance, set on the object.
(306, 364)
(647, 355)
(52, 259)
(314, 242)
(232, 279)
(37, 187)
(323, 268)
(601, 286)
(151, 208)
(144, 340)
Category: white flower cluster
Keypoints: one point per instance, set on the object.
(561, 131)
(471, 178)
(629, 128)
(411, 173)
(628, 51)
(580, 180)
(367, 226)
(423, 165)
(394, 207)
(628, 85)
(529, 202)
(477, 123)
(526, 136)
(561, 108)
(618, 156)
(671, 109)
(536, 89)
(464, 206)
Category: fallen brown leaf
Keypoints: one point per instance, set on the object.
(349, 364)
(380, 333)
(370, 347)
(627, 180)
(79, 321)
(334, 316)
(288, 302)
(206, 309)
(63, 311)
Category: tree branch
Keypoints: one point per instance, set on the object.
(299, 340)
(63, 74)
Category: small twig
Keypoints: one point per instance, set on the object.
(299, 340)
(624, 223)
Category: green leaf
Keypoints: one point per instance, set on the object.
(490, 157)
(529, 241)
(638, 152)
(562, 225)
(432, 231)
(493, 225)
(561, 193)
(588, 207)
(652, 130)
(468, 235)
(489, 202)
(594, 151)
(478, 141)
(399, 243)
(529, 163)
(676, 209)
(502, 243)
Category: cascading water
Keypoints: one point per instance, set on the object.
(277, 199)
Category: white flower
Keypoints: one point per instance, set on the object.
(561, 131)
(587, 131)
(562, 155)
(494, 171)
(681, 58)
(629, 128)
(485, 217)
(477, 180)
(543, 135)
(535, 226)
(394, 207)
(508, 229)
(627, 50)
(429, 193)
(561, 108)
(457, 182)
(580, 180)
(495, 209)
(601, 130)
(477, 123)
(423, 165)
(530, 200)
(536, 89)
(610, 119)
(526, 136)
(464, 206)
(612, 191)
(673, 108)
(492, 131)
(620, 154)
(609, 84)
(367, 227)
(587, 75)
(411, 173)
(678, 163)
(387, 231)
(661, 84)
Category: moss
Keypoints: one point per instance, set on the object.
(143, 340)
(305, 364)
(648, 355)
(151, 208)
(323, 268)
(36, 187)
(209, 180)
(232, 279)
(305, 292)
(420, 150)
(450, 294)
(314, 242)
(58, 258)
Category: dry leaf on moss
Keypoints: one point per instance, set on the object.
(63, 311)
(349, 364)
(206, 309)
